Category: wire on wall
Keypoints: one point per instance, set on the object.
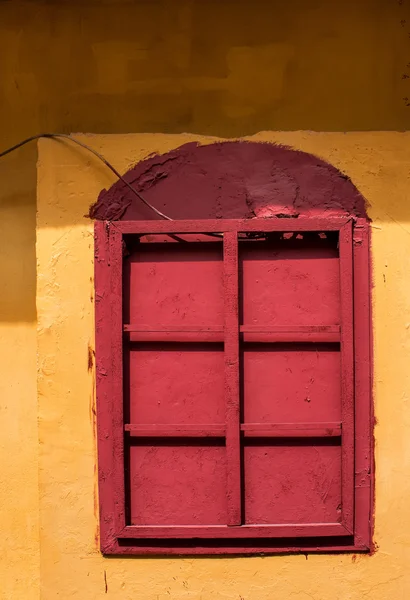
(97, 154)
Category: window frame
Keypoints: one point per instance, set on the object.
(116, 537)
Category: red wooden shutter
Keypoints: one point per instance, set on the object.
(226, 396)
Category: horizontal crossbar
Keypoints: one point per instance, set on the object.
(228, 225)
(249, 430)
(175, 431)
(249, 333)
(242, 531)
(292, 430)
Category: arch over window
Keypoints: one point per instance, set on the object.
(232, 180)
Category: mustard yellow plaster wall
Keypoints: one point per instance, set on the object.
(19, 539)
(215, 67)
(71, 565)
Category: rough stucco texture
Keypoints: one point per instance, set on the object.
(216, 68)
(231, 180)
(71, 565)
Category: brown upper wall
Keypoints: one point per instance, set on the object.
(216, 67)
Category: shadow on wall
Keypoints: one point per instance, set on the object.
(18, 237)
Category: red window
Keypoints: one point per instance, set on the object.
(233, 385)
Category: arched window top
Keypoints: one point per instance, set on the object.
(234, 180)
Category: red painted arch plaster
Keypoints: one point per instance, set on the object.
(232, 180)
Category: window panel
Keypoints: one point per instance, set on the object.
(292, 482)
(225, 385)
(290, 282)
(176, 383)
(307, 389)
(173, 492)
(174, 284)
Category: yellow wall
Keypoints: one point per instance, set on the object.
(215, 67)
(71, 565)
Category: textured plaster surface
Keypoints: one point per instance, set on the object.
(71, 565)
(232, 180)
(170, 66)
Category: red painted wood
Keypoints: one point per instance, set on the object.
(136, 548)
(290, 286)
(291, 483)
(256, 333)
(272, 430)
(364, 465)
(245, 531)
(307, 390)
(181, 339)
(228, 225)
(170, 383)
(175, 336)
(116, 375)
(134, 328)
(106, 466)
(178, 333)
(291, 430)
(169, 285)
(176, 430)
(232, 400)
(277, 334)
(177, 483)
(347, 383)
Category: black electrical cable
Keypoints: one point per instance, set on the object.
(97, 154)
(66, 136)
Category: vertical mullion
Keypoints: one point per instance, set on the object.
(363, 384)
(116, 268)
(103, 382)
(347, 373)
(231, 355)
